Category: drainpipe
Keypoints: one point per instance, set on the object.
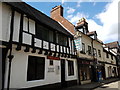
(4, 54)
(10, 56)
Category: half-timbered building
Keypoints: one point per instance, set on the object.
(37, 50)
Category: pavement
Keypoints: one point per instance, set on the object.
(110, 86)
(92, 85)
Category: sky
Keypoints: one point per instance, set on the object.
(101, 16)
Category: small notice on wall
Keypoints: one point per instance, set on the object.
(51, 69)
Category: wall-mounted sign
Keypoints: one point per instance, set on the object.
(51, 69)
(53, 58)
(78, 43)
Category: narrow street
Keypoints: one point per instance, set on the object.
(110, 86)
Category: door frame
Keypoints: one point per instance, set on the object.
(63, 81)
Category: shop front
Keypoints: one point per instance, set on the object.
(101, 68)
(84, 71)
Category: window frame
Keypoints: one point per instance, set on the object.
(70, 68)
(99, 52)
(94, 52)
(51, 62)
(35, 64)
(89, 50)
(83, 48)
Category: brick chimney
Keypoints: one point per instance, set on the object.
(57, 11)
(57, 14)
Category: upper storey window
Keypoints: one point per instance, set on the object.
(61, 39)
(44, 33)
(29, 25)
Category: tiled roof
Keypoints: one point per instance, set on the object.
(112, 44)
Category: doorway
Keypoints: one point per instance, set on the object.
(63, 82)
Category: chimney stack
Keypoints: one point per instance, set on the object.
(57, 15)
(82, 21)
(57, 11)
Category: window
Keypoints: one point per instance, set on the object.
(99, 53)
(107, 55)
(51, 62)
(29, 25)
(36, 67)
(89, 50)
(61, 39)
(84, 73)
(83, 47)
(44, 33)
(95, 52)
(70, 68)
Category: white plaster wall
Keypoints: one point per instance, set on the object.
(25, 23)
(70, 45)
(31, 26)
(6, 19)
(16, 26)
(27, 38)
(19, 71)
(73, 77)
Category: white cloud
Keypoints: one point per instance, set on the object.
(109, 18)
(70, 10)
(69, 16)
(74, 19)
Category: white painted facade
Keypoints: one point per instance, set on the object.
(20, 65)
(110, 65)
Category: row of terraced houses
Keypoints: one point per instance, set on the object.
(41, 51)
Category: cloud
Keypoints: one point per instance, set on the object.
(70, 10)
(109, 18)
(75, 18)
